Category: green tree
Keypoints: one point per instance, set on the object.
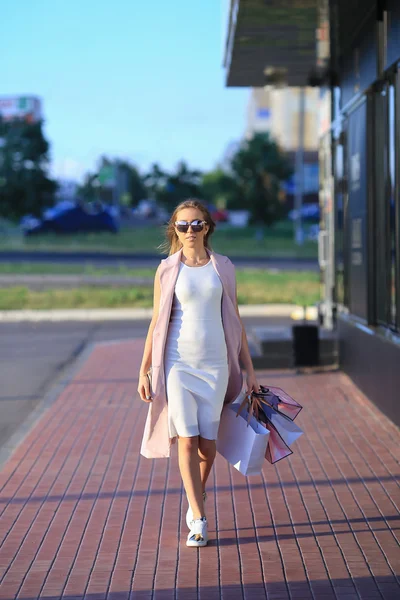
(259, 167)
(131, 181)
(155, 181)
(99, 185)
(220, 188)
(136, 185)
(25, 187)
(88, 190)
(169, 189)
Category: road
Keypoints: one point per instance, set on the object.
(34, 357)
(103, 259)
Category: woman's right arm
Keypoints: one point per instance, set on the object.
(143, 386)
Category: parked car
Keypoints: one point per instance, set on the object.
(313, 232)
(239, 218)
(309, 212)
(217, 214)
(146, 208)
(72, 218)
(60, 207)
(150, 209)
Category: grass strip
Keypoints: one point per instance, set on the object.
(33, 268)
(278, 241)
(255, 286)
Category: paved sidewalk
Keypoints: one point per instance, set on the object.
(84, 516)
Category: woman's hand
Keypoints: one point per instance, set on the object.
(251, 383)
(144, 388)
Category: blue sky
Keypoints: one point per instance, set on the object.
(139, 80)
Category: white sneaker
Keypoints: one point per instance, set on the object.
(198, 534)
(189, 513)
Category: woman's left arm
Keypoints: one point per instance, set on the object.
(245, 356)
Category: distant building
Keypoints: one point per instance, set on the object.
(27, 108)
(276, 111)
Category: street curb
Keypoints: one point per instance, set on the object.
(65, 377)
(120, 314)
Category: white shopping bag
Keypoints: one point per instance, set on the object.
(242, 445)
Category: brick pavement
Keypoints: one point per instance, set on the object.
(84, 516)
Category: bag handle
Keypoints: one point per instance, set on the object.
(255, 400)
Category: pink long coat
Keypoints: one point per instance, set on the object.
(156, 442)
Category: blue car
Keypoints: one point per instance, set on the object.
(309, 212)
(71, 219)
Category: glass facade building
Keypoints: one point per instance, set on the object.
(359, 163)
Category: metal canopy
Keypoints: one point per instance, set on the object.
(271, 34)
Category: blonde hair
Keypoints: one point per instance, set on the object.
(171, 243)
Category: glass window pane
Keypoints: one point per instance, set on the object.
(339, 239)
(391, 206)
(380, 194)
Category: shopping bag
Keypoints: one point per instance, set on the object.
(287, 429)
(279, 399)
(277, 448)
(242, 443)
(266, 407)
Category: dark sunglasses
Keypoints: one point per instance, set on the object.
(183, 226)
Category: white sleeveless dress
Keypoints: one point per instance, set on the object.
(195, 356)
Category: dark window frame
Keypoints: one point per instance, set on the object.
(381, 283)
(391, 187)
(387, 217)
(371, 211)
(397, 193)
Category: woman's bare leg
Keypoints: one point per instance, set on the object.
(189, 467)
(207, 451)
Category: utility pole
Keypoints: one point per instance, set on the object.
(298, 202)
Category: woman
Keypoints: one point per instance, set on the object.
(193, 347)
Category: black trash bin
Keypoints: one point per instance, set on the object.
(305, 345)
